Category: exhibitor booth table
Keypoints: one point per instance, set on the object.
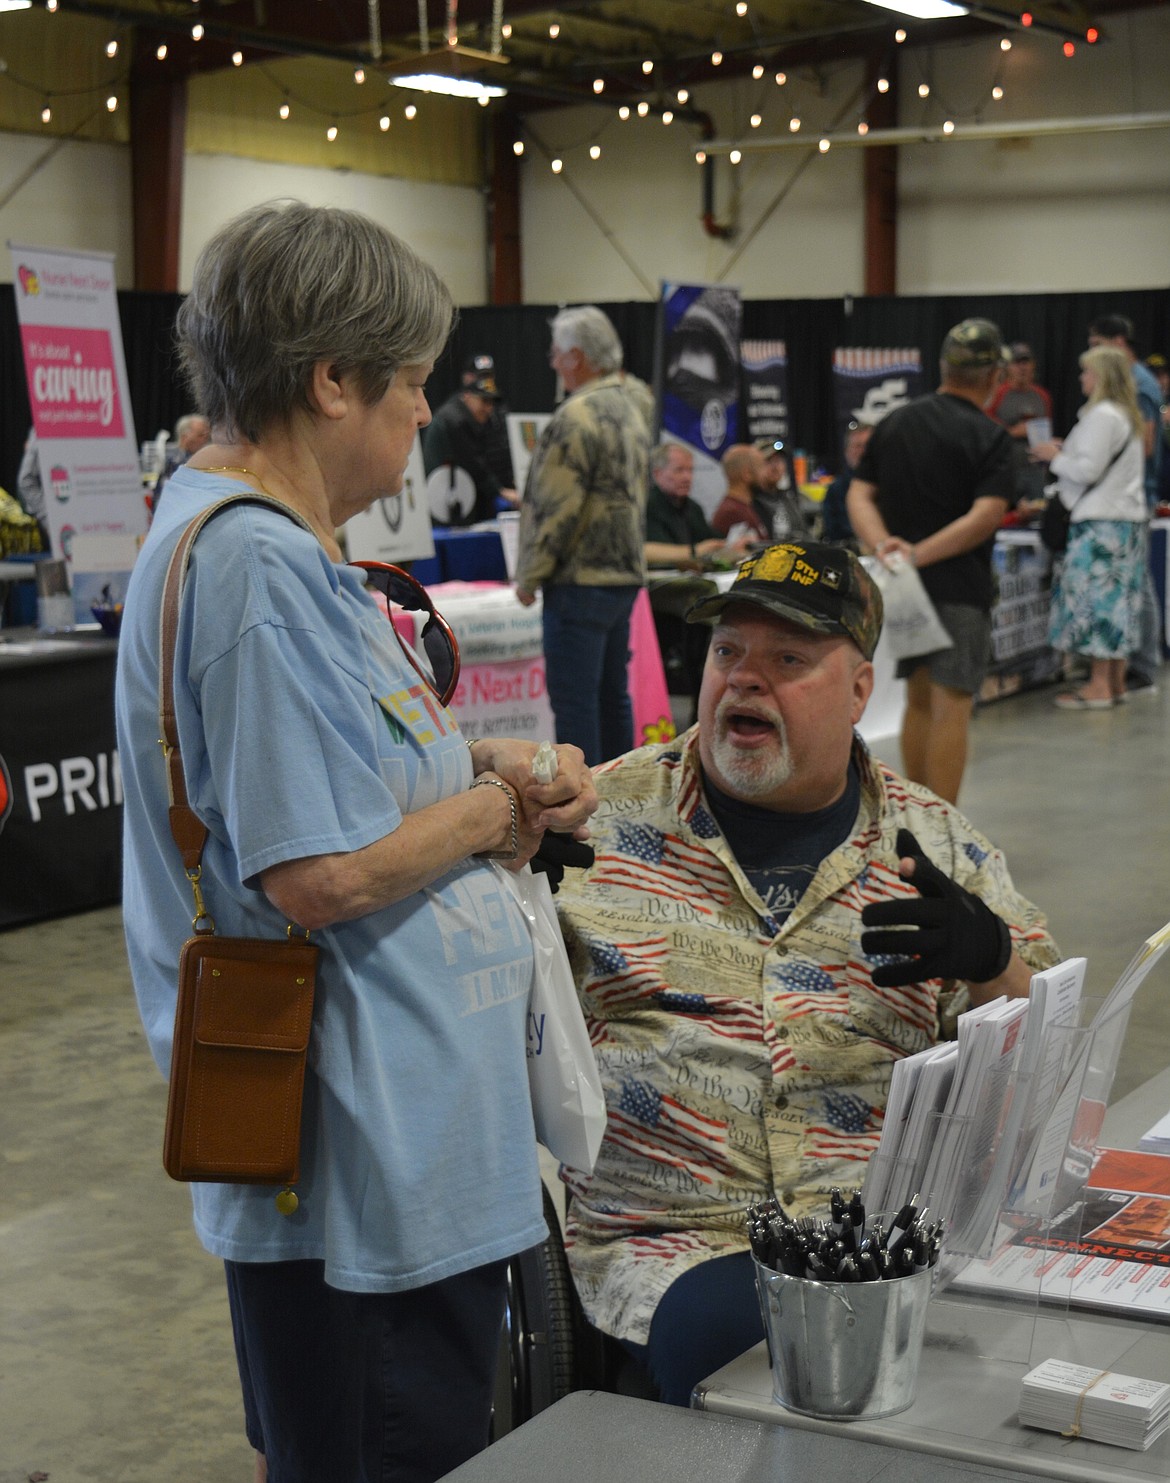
(61, 842)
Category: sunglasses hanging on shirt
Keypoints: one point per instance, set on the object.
(438, 642)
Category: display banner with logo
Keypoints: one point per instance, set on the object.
(71, 337)
(395, 529)
(869, 383)
(696, 377)
(765, 390)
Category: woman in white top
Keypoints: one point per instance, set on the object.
(1096, 590)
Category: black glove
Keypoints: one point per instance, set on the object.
(558, 851)
(957, 935)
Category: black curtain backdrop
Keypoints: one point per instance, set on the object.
(1055, 325)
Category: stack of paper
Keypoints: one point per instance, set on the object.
(1157, 1140)
(1123, 1410)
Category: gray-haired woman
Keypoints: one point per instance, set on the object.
(339, 795)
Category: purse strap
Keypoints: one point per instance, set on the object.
(1100, 479)
(188, 830)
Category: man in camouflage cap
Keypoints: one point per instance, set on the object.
(772, 919)
(932, 487)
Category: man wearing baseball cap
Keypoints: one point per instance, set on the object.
(932, 487)
(772, 919)
(460, 435)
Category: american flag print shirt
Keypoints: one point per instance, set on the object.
(739, 1057)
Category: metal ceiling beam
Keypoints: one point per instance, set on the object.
(935, 134)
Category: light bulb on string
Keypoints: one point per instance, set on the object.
(284, 110)
(595, 151)
(716, 59)
(863, 128)
(1069, 48)
(599, 84)
(647, 68)
(643, 109)
(682, 95)
(624, 112)
(823, 145)
(161, 52)
(700, 156)
(794, 125)
(410, 111)
(46, 114)
(237, 59)
(112, 103)
(1026, 18)
(948, 126)
(518, 148)
(924, 90)
(883, 84)
(667, 116)
(997, 92)
(1092, 35)
(755, 120)
(781, 79)
(51, 6)
(483, 100)
(384, 122)
(758, 71)
(196, 32)
(735, 156)
(554, 30)
(359, 75)
(331, 133)
(741, 8)
(899, 36)
(1005, 43)
(557, 166)
(111, 49)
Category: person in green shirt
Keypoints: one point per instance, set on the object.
(677, 531)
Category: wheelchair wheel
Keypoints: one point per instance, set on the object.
(537, 1360)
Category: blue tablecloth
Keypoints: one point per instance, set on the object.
(463, 556)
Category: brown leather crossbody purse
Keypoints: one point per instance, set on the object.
(245, 1004)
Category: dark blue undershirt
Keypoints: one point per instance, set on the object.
(779, 852)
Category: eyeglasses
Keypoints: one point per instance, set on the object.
(439, 643)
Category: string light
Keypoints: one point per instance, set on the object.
(924, 90)
(410, 111)
(741, 8)
(331, 133)
(161, 53)
(794, 125)
(1068, 48)
(755, 120)
(237, 59)
(758, 71)
(735, 156)
(483, 100)
(823, 146)
(506, 30)
(111, 49)
(643, 109)
(284, 110)
(700, 156)
(599, 84)
(46, 114)
(557, 166)
(948, 127)
(997, 92)
(51, 6)
(112, 103)
(899, 36)
(883, 84)
(647, 68)
(682, 95)
(554, 30)
(624, 112)
(1005, 44)
(667, 116)
(197, 32)
(781, 79)
(518, 148)
(863, 128)
(716, 59)
(1026, 18)
(384, 122)
(1091, 35)
(595, 151)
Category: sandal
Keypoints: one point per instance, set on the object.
(1073, 700)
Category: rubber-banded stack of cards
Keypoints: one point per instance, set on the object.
(1100, 1406)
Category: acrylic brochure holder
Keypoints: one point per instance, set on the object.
(1007, 1179)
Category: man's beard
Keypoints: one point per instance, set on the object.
(756, 773)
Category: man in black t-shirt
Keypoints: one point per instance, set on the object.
(933, 487)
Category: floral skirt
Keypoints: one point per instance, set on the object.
(1097, 589)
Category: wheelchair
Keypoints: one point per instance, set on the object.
(548, 1348)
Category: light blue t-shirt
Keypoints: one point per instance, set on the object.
(304, 731)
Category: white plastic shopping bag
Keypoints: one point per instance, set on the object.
(910, 625)
(568, 1105)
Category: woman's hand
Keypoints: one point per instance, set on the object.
(566, 804)
(1045, 452)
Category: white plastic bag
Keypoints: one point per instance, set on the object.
(568, 1105)
(910, 625)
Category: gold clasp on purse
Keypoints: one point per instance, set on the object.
(201, 913)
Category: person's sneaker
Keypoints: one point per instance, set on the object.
(1136, 684)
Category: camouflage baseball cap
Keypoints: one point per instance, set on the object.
(822, 588)
(974, 343)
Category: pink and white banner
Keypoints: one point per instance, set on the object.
(67, 309)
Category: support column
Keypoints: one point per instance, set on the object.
(881, 183)
(503, 209)
(158, 126)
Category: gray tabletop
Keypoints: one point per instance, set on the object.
(591, 1437)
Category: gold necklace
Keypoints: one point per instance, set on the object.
(234, 468)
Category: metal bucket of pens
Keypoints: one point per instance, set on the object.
(845, 1350)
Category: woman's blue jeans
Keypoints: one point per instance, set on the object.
(586, 659)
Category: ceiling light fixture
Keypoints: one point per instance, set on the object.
(922, 10)
(449, 87)
(20, 5)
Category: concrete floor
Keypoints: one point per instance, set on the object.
(116, 1361)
